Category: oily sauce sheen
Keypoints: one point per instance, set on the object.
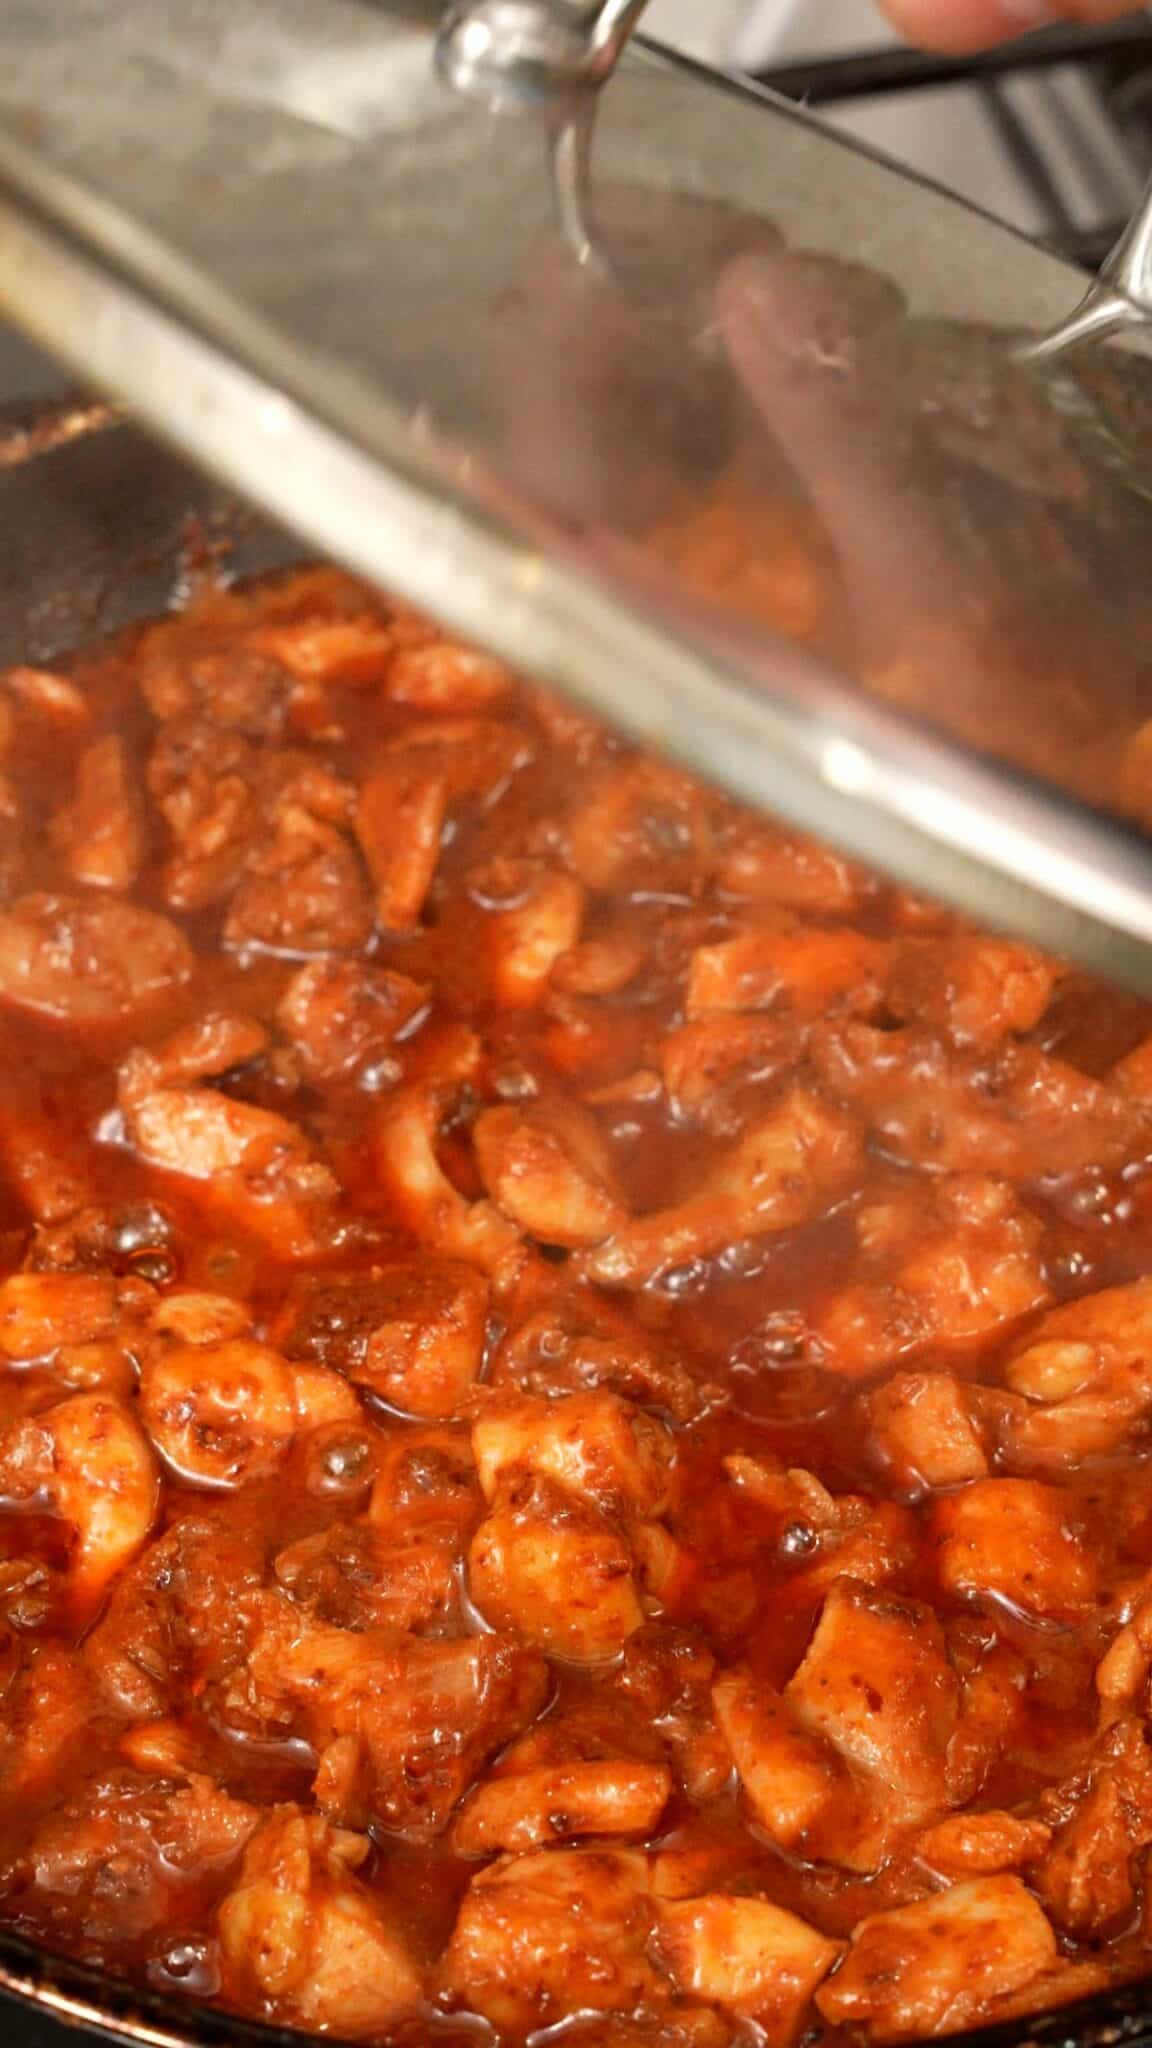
(574, 1377)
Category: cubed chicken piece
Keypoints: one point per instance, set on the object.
(557, 1802)
(222, 1414)
(89, 961)
(317, 650)
(351, 1576)
(426, 1201)
(475, 758)
(748, 1956)
(977, 991)
(642, 825)
(547, 1168)
(809, 972)
(101, 836)
(215, 1043)
(1017, 1541)
(790, 1495)
(1133, 1074)
(203, 783)
(667, 1674)
(226, 1414)
(788, 1168)
(193, 1316)
(714, 1067)
(595, 1446)
(426, 1483)
(558, 1574)
(945, 1267)
(414, 1333)
(1069, 1979)
(1123, 1670)
(308, 1939)
(190, 1600)
(925, 1430)
(539, 1937)
(1086, 1371)
(579, 1342)
(48, 1712)
(114, 1859)
(982, 1844)
(88, 1461)
(937, 1966)
(1015, 1111)
(418, 1718)
(876, 1683)
(257, 1167)
(994, 1720)
(766, 865)
(402, 808)
(535, 915)
(600, 966)
(344, 1016)
(53, 698)
(193, 668)
(790, 1777)
(304, 889)
(41, 1311)
(440, 675)
(1087, 1878)
(874, 1542)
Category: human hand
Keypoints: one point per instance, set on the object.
(962, 25)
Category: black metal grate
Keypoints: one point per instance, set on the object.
(1114, 61)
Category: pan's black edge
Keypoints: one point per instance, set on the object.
(111, 2009)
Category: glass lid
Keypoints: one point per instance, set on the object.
(664, 394)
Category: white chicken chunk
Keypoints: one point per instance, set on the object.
(926, 1430)
(594, 1445)
(39, 1312)
(535, 917)
(876, 1683)
(792, 1165)
(747, 1955)
(941, 1964)
(942, 1266)
(548, 1169)
(548, 1567)
(790, 1778)
(528, 1809)
(1084, 1373)
(302, 1932)
(810, 972)
(1017, 1541)
(90, 1462)
(556, 1932)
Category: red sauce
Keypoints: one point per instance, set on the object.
(575, 1377)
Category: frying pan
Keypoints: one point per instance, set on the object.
(98, 527)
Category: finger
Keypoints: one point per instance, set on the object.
(964, 25)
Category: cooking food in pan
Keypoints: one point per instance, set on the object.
(575, 1377)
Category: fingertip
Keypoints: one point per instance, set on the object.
(958, 27)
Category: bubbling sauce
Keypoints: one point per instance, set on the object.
(574, 1377)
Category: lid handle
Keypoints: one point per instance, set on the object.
(513, 52)
(1120, 297)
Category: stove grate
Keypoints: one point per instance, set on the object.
(1113, 61)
